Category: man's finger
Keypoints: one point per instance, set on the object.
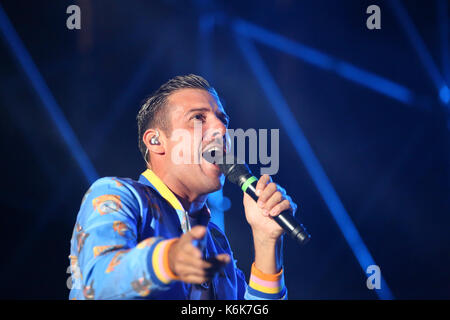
(275, 199)
(282, 206)
(262, 182)
(266, 194)
(223, 258)
(193, 271)
(195, 262)
(218, 262)
(195, 279)
(196, 233)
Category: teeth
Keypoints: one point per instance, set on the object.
(214, 148)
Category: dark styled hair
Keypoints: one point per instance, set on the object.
(152, 113)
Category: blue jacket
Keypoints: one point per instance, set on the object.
(118, 228)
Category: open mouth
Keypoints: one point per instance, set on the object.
(213, 153)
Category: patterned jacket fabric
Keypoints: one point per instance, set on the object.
(119, 247)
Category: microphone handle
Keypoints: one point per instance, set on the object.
(285, 219)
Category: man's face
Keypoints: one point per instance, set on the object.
(197, 114)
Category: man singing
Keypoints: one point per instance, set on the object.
(152, 238)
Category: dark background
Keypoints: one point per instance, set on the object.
(387, 160)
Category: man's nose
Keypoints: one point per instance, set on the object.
(216, 132)
(217, 129)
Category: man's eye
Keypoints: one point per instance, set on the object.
(199, 117)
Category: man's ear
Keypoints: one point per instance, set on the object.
(154, 140)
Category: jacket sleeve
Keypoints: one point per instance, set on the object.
(262, 286)
(107, 261)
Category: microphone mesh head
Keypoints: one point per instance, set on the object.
(233, 170)
(228, 165)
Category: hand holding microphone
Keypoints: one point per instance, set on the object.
(261, 212)
(273, 198)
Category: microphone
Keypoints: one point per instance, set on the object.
(241, 175)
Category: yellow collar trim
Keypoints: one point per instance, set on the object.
(162, 189)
